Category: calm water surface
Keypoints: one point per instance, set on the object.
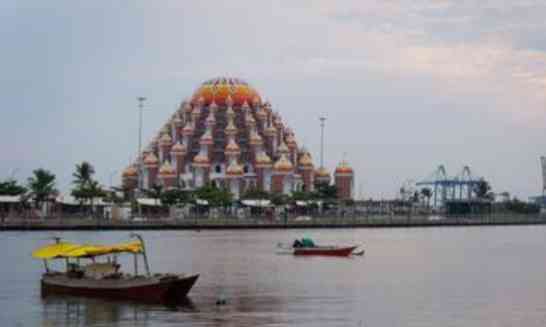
(465, 276)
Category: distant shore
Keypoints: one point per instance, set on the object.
(88, 224)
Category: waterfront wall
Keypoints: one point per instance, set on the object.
(196, 223)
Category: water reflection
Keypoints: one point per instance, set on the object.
(63, 310)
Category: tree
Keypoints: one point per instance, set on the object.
(426, 193)
(154, 192)
(325, 192)
(255, 194)
(10, 187)
(83, 174)
(87, 189)
(42, 186)
(214, 196)
(175, 197)
(481, 189)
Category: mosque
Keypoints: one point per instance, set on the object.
(225, 134)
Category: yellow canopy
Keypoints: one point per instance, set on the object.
(71, 250)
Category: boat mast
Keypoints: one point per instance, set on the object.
(146, 265)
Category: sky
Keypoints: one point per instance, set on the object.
(405, 85)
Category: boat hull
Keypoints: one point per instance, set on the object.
(166, 289)
(326, 251)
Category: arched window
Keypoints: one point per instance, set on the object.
(218, 169)
(245, 169)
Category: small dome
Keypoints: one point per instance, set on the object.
(151, 160)
(283, 149)
(343, 168)
(179, 149)
(322, 172)
(187, 107)
(188, 129)
(283, 165)
(167, 170)
(231, 129)
(206, 138)
(232, 148)
(263, 160)
(177, 121)
(270, 131)
(305, 161)
(291, 141)
(130, 171)
(201, 160)
(255, 139)
(234, 170)
(165, 140)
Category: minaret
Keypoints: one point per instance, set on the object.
(167, 175)
(344, 179)
(178, 153)
(307, 171)
(151, 164)
(178, 125)
(270, 133)
(130, 178)
(292, 148)
(165, 144)
(263, 171)
(281, 169)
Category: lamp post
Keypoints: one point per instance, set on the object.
(322, 120)
(140, 172)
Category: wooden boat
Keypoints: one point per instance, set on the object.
(104, 279)
(335, 251)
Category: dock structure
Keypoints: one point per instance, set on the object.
(456, 188)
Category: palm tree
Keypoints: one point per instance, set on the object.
(42, 186)
(83, 174)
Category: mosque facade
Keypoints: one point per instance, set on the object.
(226, 135)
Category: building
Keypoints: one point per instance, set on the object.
(227, 136)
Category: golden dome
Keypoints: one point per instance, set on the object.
(206, 138)
(130, 171)
(344, 168)
(283, 149)
(232, 148)
(179, 149)
(291, 141)
(270, 131)
(255, 139)
(283, 165)
(151, 160)
(188, 129)
(165, 140)
(167, 170)
(322, 172)
(234, 170)
(305, 161)
(201, 160)
(219, 90)
(263, 160)
(230, 129)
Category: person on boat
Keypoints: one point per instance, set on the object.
(305, 242)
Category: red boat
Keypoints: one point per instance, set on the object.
(104, 279)
(342, 251)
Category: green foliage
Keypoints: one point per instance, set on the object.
(518, 206)
(86, 187)
(280, 199)
(175, 197)
(41, 185)
(301, 196)
(482, 190)
(325, 192)
(10, 187)
(214, 196)
(154, 192)
(255, 194)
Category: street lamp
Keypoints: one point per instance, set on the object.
(140, 172)
(322, 120)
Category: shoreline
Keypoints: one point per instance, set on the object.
(232, 224)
